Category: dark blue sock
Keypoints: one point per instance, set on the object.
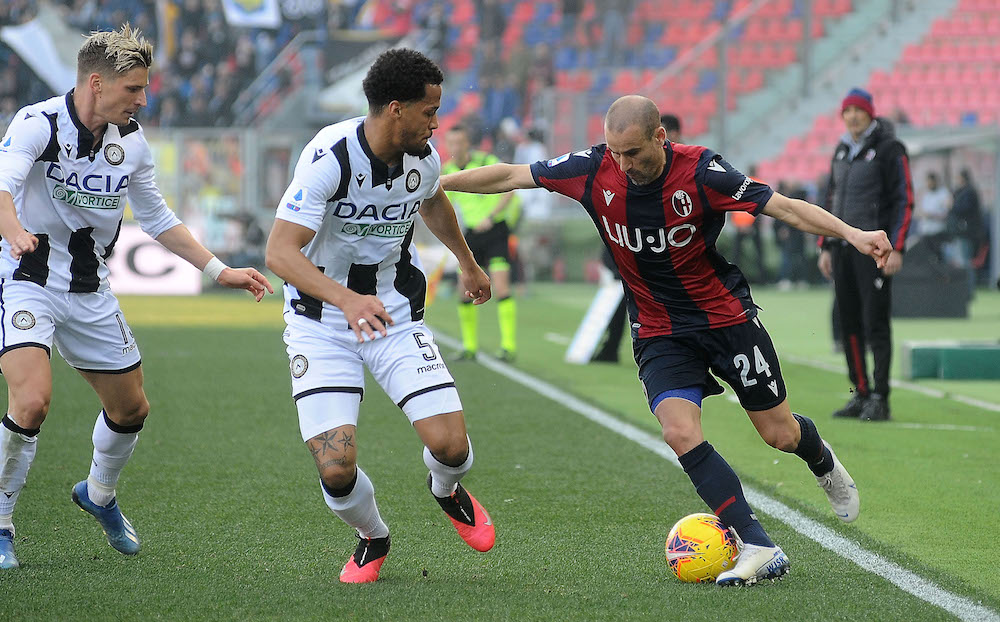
(811, 447)
(718, 485)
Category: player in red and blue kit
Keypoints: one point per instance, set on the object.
(659, 208)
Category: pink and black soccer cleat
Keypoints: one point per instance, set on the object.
(364, 565)
(469, 517)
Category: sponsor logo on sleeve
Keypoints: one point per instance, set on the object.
(743, 188)
(297, 200)
(559, 160)
(582, 154)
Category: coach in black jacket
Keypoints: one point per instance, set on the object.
(870, 188)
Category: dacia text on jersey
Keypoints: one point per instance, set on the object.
(392, 221)
(84, 192)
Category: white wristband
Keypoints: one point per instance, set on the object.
(214, 268)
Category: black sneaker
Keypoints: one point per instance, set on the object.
(876, 408)
(853, 408)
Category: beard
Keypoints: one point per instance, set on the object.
(414, 144)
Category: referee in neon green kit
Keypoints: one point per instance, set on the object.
(484, 217)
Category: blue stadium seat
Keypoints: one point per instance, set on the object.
(544, 11)
(720, 10)
(601, 82)
(566, 58)
(707, 80)
(654, 30)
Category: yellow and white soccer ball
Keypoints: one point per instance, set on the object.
(699, 548)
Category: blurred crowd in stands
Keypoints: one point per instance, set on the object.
(202, 63)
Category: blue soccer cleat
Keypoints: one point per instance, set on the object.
(7, 557)
(121, 534)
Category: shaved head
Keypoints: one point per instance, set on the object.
(632, 110)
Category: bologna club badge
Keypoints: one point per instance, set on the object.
(682, 203)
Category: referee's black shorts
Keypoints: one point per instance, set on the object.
(490, 247)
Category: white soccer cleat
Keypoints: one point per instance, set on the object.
(840, 490)
(756, 563)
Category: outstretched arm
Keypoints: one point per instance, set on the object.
(814, 219)
(491, 179)
(438, 214)
(179, 241)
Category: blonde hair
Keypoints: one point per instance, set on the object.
(113, 53)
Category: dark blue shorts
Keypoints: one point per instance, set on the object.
(742, 356)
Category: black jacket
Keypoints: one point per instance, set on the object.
(874, 190)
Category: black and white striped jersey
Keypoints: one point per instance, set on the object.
(362, 212)
(71, 192)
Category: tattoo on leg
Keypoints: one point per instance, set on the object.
(330, 463)
(329, 451)
(322, 443)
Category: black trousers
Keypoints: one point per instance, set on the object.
(864, 304)
(615, 332)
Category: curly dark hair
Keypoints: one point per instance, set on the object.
(399, 75)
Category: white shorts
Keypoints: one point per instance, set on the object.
(88, 328)
(328, 373)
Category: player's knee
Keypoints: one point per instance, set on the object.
(131, 414)
(680, 436)
(29, 411)
(337, 476)
(452, 451)
(783, 438)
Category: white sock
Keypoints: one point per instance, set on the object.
(357, 508)
(444, 478)
(112, 451)
(17, 452)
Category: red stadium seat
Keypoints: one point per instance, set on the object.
(462, 12)
(523, 13)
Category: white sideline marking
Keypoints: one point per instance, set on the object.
(959, 606)
(947, 427)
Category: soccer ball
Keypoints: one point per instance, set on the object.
(699, 548)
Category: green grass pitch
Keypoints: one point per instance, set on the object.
(226, 499)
